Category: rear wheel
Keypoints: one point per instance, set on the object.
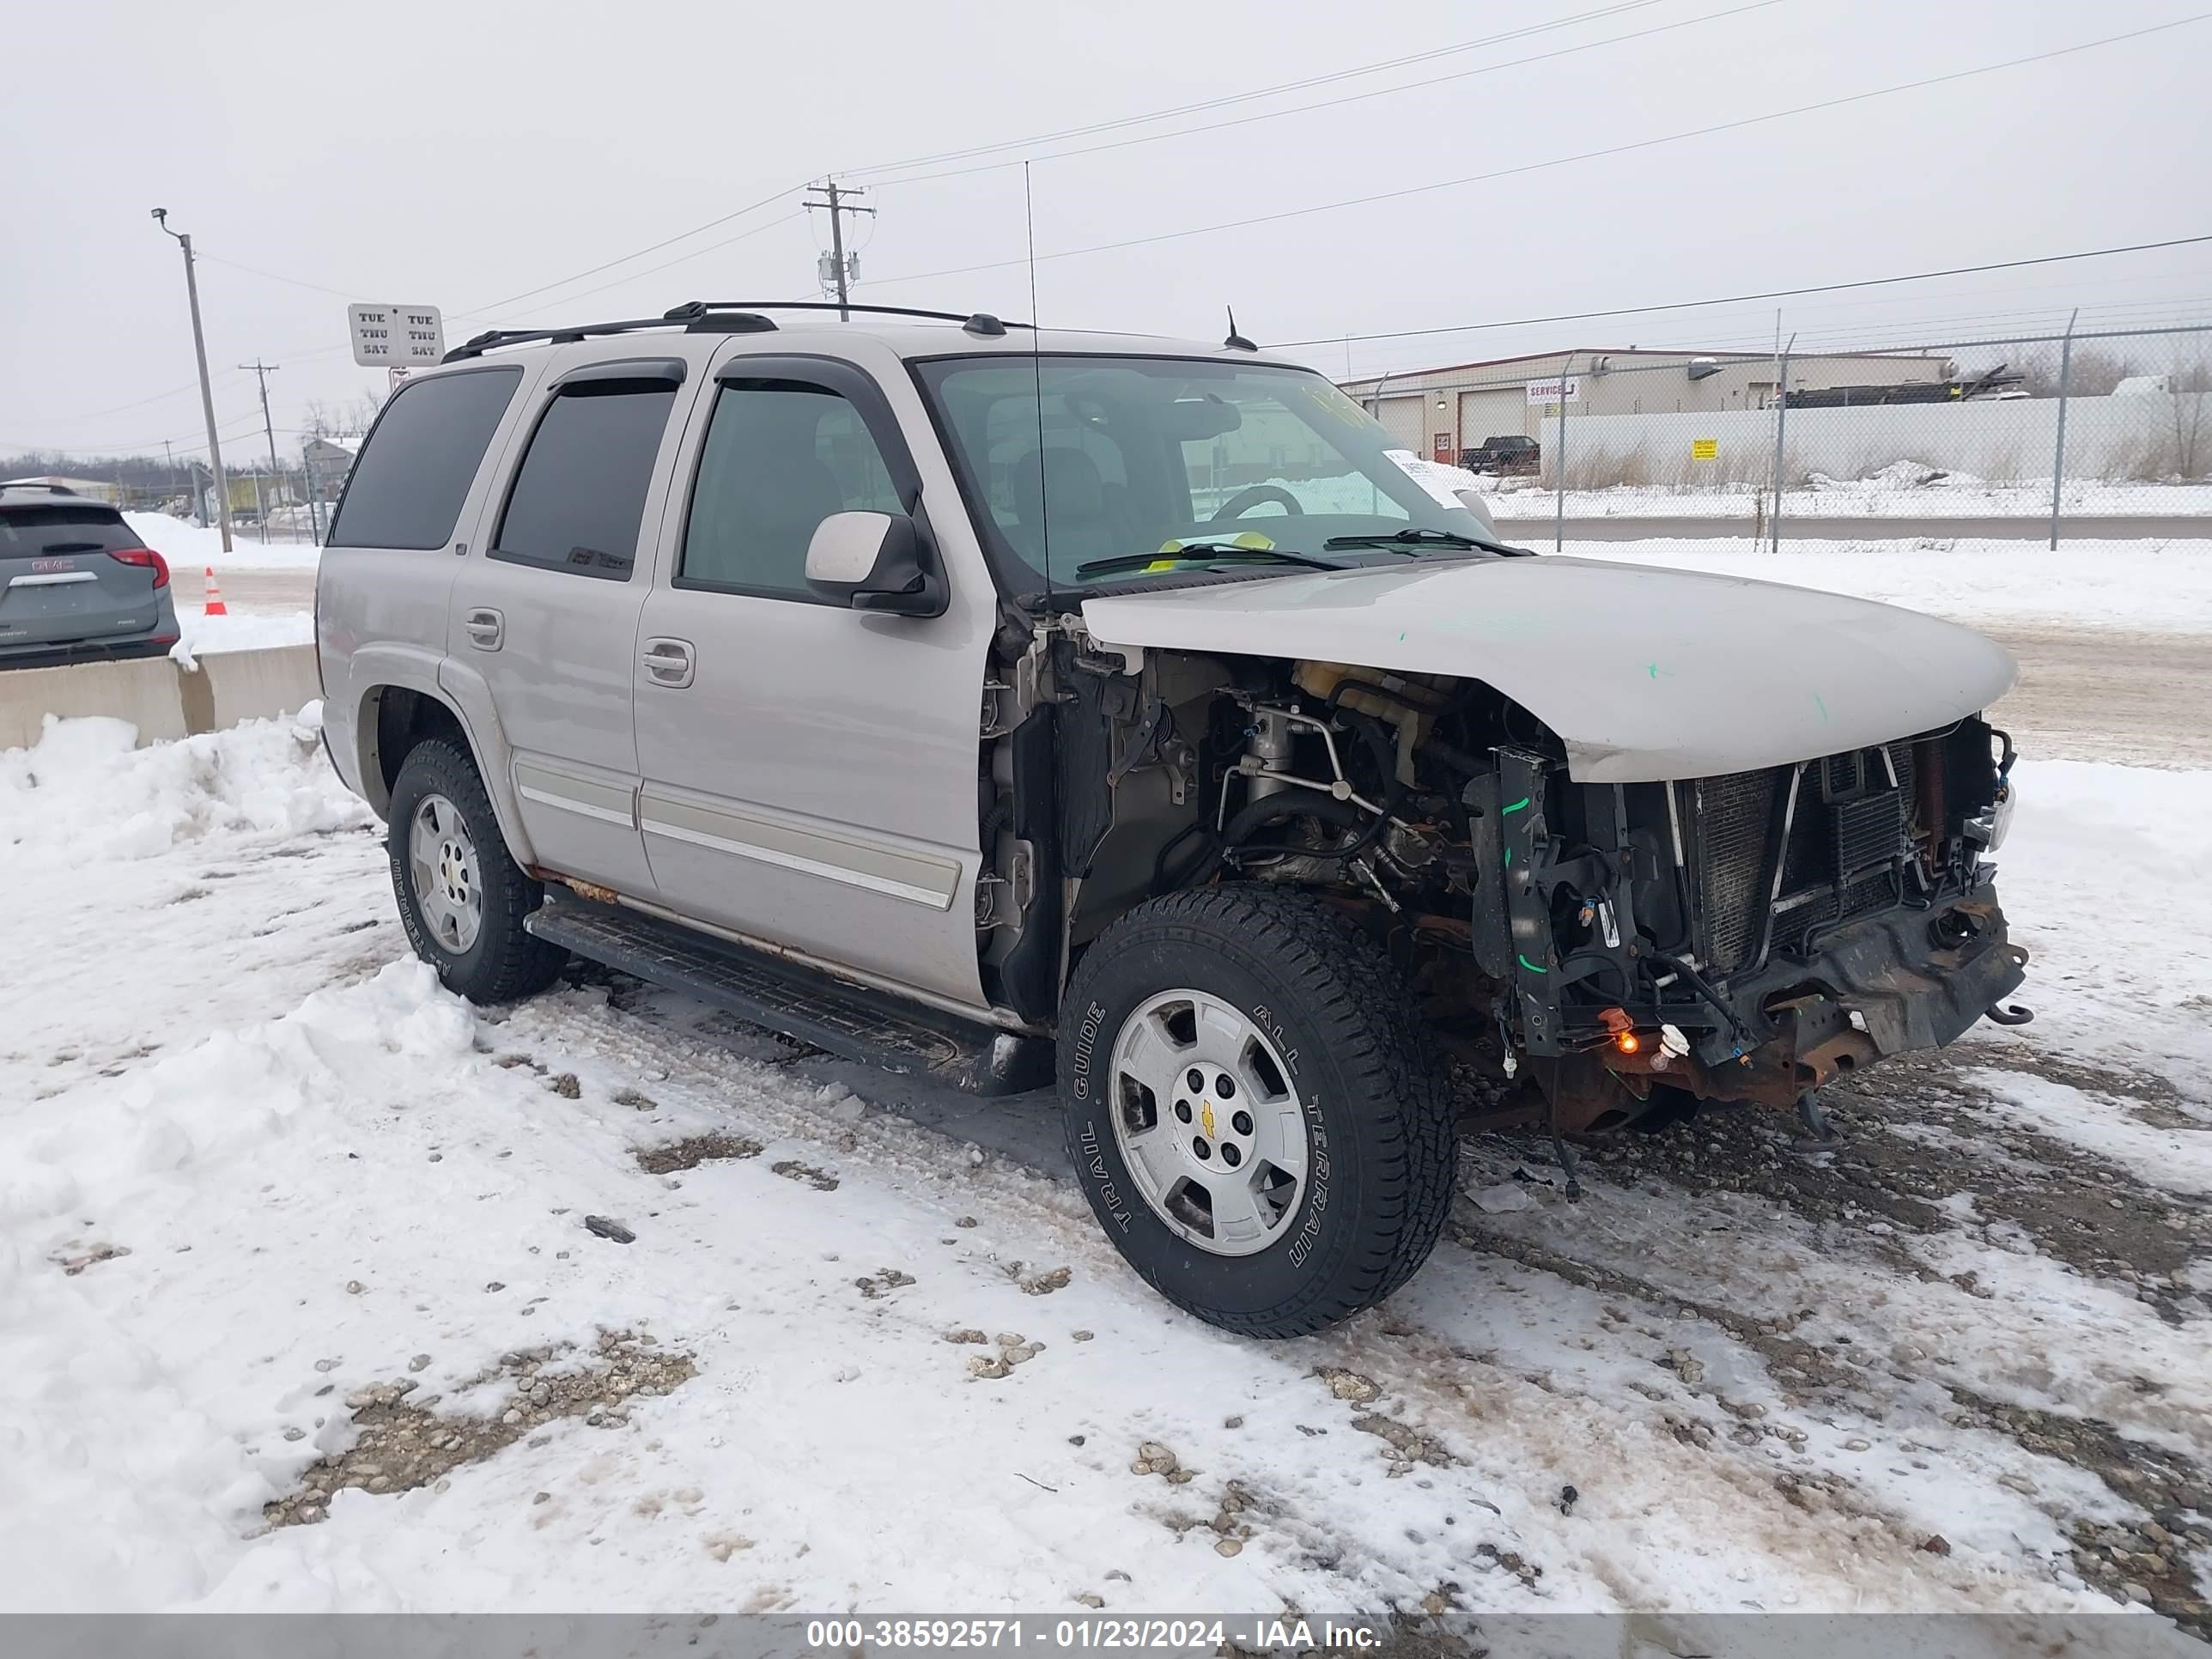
(1257, 1115)
(462, 896)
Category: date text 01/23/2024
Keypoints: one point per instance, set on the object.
(1206, 1635)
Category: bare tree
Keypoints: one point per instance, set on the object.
(2093, 372)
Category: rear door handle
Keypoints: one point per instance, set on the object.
(486, 629)
(670, 662)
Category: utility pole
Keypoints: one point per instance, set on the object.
(207, 392)
(261, 372)
(839, 206)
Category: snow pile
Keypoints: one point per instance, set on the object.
(100, 1415)
(1898, 475)
(191, 546)
(83, 792)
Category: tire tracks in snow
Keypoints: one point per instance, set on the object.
(1730, 1458)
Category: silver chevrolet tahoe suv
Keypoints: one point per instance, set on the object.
(985, 702)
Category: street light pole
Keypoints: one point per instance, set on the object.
(207, 392)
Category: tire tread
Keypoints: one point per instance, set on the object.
(515, 963)
(1360, 1006)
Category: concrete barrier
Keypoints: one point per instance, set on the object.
(142, 691)
(164, 699)
(244, 685)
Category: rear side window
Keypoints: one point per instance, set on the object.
(414, 473)
(779, 457)
(580, 494)
(33, 531)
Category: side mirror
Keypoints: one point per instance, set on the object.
(874, 562)
(1469, 498)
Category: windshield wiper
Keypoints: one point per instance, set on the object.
(1197, 552)
(1419, 536)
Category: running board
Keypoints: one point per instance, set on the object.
(850, 1021)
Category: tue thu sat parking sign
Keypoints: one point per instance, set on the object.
(397, 337)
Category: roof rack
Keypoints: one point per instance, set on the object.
(718, 317)
(977, 322)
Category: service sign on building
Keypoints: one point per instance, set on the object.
(1549, 392)
(397, 337)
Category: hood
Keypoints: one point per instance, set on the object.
(1646, 673)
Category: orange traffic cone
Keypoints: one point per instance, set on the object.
(215, 607)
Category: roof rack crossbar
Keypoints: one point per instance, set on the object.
(716, 315)
(691, 308)
(476, 345)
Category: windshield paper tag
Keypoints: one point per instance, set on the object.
(1438, 482)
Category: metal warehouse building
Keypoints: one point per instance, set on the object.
(1437, 412)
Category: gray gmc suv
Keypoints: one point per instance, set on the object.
(993, 703)
(77, 582)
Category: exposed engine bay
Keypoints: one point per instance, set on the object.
(1598, 950)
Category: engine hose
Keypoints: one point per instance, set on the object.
(1294, 804)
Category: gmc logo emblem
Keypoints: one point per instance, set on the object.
(44, 566)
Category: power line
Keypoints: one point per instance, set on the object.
(1355, 97)
(1229, 99)
(1562, 161)
(681, 259)
(681, 235)
(291, 281)
(1741, 299)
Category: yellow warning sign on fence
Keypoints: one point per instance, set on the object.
(1705, 449)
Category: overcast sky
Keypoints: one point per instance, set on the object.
(464, 152)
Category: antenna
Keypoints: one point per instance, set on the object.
(1036, 380)
(1236, 342)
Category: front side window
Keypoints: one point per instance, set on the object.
(1079, 461)
(578, 497)
(408, 487)
(780, 457)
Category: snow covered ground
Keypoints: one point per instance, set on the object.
(1903, 490)
(302, 1307)
(2143, 585)
(279, 1220)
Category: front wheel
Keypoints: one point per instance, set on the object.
(462, 896)
(1254, 1108)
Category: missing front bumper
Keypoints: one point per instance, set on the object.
(1886, 985)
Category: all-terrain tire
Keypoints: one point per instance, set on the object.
(1373, 1091)
(504, 962)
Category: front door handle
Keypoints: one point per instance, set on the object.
(670, 662)
(486, 629)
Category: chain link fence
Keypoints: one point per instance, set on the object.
(2076, 433)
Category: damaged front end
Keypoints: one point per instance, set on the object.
(1749, 936)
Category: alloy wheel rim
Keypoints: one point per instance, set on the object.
(1207, 1123)
(448, 889)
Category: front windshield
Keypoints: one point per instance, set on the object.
(1089, 461)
